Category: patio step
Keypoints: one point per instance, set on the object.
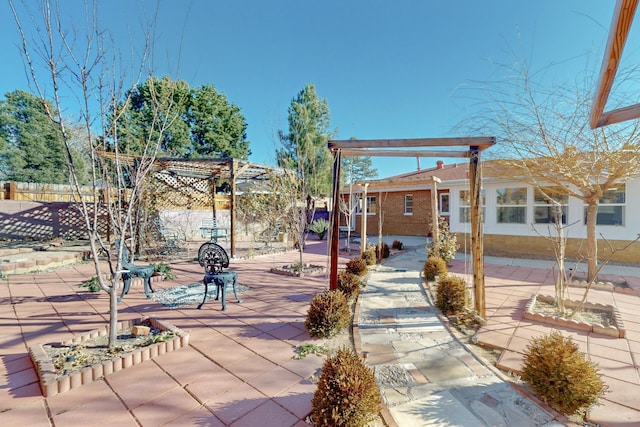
(28, 261)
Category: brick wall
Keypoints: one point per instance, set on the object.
(540, 247)
(395, 221)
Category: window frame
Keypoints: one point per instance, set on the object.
(371, 201)
(464, 210)
(441, 204)
(539, 202)
(520, 205)
(408, 207)
(605, 203)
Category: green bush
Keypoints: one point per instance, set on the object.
(92, 285)
(382, 251)
(320, 226)
(349, 284)
(369, 255)
(448, 242)
(451, 295)
(357, 266)
(397, 244)
(347, 393)
(328, 314)
(560, 375)
(165, 270)
(434, 267)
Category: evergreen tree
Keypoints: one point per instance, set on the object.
(304, 147)
(207, 124)
(31, 148)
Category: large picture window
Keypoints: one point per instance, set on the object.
(545, 203)
(465, 206)
(611, 207)
(512, 205)
(408, 204)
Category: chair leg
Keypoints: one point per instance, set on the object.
(206, 291)
(126, 286)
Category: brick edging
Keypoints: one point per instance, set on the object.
(51, 384)
(357, 344)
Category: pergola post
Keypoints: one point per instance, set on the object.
(363, 223)
(435, 226)
(475, 191)
(234, 166)
(335, 215)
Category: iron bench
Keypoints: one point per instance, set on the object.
(214, 259)
(130, 270)
(209, 228)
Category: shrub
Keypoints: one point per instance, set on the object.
(451, 295)
(165, 270)
(320, 227)
(382, 251)
(397, 244)
(349, 284)
(357, 266)
(328, 314)
(560, 375)
(347, 393)
(448, 242)
(92, 285)
(369, 255)
(434, 267)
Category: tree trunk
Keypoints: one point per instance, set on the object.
(592, 241)
(113, 313)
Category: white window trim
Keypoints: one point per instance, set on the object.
(359, 210)
(405, 205)
(440, 204)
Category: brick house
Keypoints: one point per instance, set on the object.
(516, 216)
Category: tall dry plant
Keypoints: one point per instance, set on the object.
(82, 73)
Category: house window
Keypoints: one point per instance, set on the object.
(512, 205)
(465, 206)
(408, 204)
(545, 202)
(372, 206)
(611, 207)
(444, 204)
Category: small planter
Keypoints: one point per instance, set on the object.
(613, 328)
(291, 270)
(52, 383)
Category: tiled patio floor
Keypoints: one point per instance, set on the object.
(509, 288)
(238, 369)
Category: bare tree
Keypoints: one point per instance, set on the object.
(80, 68)
(546, 141)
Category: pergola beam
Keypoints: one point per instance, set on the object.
(482, 142)
(618, 32)
(402, 153)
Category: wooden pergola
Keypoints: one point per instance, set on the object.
(469, 147)
(182, 176)
(623, 15)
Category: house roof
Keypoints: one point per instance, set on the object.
(424, 177)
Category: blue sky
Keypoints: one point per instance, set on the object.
(388, 69)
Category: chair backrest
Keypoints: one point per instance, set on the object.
(213, 257)
(209, 223)
(126, 256)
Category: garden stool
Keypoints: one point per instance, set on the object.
(214, 259)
